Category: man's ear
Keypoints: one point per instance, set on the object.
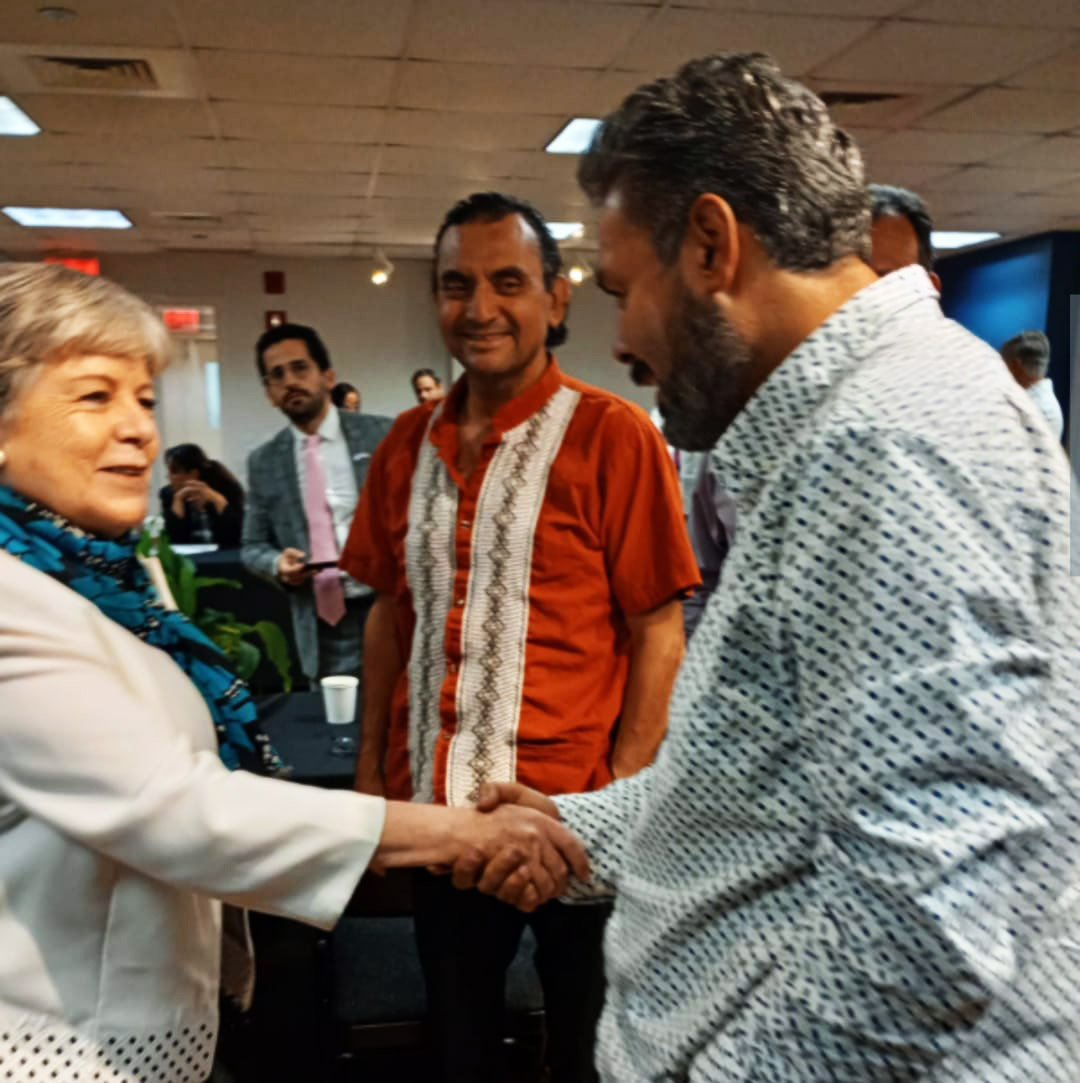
(329, 377)
(560, 300)
(710, 248)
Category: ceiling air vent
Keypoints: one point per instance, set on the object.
(93, 73)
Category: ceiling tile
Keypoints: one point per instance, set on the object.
(301, 206)
(1061, 152)
(61, 149)
(1006, 181)
(271, 223)
(933, 53)
(535, 165)
(405, 186)
(916, 175)
(437, 161)
(999, 109)
(310, 251)
(487, 88)
(862, 8)
(102, 22)
(482, 30)
(474, 131)
(295, 80)
(299, 157)
(315, 26)
(298, 123)
(264, 182)
(953, 148)
(1061, 72)
(1044, 13)
(798, 43)
(99, 115)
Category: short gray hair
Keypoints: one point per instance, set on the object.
(1030, 350)
(731, 124)
(49, 313)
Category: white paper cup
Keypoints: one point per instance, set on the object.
(339, 698)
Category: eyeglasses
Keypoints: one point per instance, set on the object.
(278, 373)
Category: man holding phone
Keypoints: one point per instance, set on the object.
(303, 485)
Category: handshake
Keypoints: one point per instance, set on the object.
(511, 844)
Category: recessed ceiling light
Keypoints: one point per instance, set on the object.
(67, 218)
(56, 13)
(565, 231)
(959, 238)
(13, 121)
(574, 136)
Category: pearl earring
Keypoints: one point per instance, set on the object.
(3, 458)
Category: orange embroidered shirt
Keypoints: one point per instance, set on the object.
(512, 585)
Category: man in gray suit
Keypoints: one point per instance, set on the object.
(303, 485)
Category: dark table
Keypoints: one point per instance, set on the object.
(298, 727)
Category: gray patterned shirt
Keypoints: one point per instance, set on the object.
(856, 856)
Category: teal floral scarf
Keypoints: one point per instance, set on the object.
(109, 574)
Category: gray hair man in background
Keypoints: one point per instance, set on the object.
(1027, 356)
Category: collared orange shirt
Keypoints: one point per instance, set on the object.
(513, 585)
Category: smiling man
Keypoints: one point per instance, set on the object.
(526, 540)
(855, 857)
(302, 490)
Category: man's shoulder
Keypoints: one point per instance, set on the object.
(365, 426)
(281, 439)
(616, 413)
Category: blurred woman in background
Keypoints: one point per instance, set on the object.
(203, 501)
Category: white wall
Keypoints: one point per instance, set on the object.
(377, 336)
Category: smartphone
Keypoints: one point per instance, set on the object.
(318, 565)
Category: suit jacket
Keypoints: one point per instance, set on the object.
(274, 517)
(120, 829)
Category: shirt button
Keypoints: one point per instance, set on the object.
(465, 524)
(460, 602)
(452, 668)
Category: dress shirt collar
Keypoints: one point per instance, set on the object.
(514, 413)
(328, 432)
(788, 400)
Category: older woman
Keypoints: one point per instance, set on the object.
(121, 828)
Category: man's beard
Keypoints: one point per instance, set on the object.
(306, 408)
(709, 381)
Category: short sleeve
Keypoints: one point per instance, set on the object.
(642, 526)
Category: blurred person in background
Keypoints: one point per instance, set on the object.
(345, 397)
(1027, 357)
(203, 502)
(900, 231)
(427, 387)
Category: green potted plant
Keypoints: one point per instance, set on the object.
(242, 643)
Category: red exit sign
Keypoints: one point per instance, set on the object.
(86, 266)
(181, 319)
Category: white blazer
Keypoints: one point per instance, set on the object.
(120, 829)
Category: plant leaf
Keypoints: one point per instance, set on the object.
(277, 650)
(209, 581)
(246, 658)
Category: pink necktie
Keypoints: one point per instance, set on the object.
(329, 594)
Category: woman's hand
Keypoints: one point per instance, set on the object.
(200, 494)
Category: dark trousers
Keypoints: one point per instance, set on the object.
(466, 942)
